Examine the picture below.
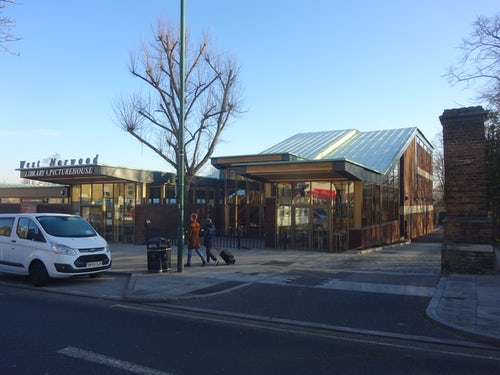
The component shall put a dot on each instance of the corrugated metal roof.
(376, 150)
(310, 145)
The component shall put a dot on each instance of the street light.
(180, 151)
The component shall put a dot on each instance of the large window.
(322, 193)
(242, 204)
(381, 202)
(27, 229)
(200, 196)
(97, 194)
(109, 208)
(86, 194)
(284, 192)
(154, 195)
(6, 225)
(170, 197)
(343, 203)
(254, 193)
(302, 192)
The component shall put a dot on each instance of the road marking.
(86, 355)
(405, 290)
(309, 328)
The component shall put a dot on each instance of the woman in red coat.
(193, 240)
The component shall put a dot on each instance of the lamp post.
(180, 152)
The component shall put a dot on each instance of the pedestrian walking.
(208, 233)
(239, 234)
(193, 240)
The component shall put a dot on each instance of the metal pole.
(180, 161)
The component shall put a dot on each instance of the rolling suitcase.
(226, 255)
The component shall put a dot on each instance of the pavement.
(467, 303)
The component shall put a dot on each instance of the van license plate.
(94, 264)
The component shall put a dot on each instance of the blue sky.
(305, 66)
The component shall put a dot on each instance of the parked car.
(47, 245)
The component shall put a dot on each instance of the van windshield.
(66, 226)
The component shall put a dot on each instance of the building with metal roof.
(336, 190)
(328, 191)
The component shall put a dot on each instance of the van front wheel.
(38, 273)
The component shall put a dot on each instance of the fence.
(232, 242)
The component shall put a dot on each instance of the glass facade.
(109, 208)
(315, 215)
(242, 205)
(381, 202)
(326, 203)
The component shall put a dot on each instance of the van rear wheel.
(38, 273)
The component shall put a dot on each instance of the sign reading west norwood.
(59, 167)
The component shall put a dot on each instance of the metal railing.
(233, 242)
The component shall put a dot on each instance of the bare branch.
(6, 25)
(480, 61)
(211, 99)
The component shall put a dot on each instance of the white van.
(46, 246)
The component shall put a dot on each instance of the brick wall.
(466, 197)
(464, 155)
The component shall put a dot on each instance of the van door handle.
(14, 241)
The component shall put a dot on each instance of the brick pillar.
(467, 246)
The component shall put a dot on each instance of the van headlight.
(63, 249)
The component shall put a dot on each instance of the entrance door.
(302, 225)
(95, 218)
(284, 221)
(320, 228)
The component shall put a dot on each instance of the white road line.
(86, 355)
(304, 327)
(405, 290)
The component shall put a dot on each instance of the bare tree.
(6, 25)
(480, 61)
(212, 98)
(492, 164)
(480, 64)
(438, 171)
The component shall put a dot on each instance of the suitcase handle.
(219, 250)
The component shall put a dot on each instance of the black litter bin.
(159, 255)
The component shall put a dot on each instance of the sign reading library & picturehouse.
(59, 168)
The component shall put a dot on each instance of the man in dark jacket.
(208, 233)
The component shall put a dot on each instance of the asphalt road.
(302, 301)
(47, 333)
